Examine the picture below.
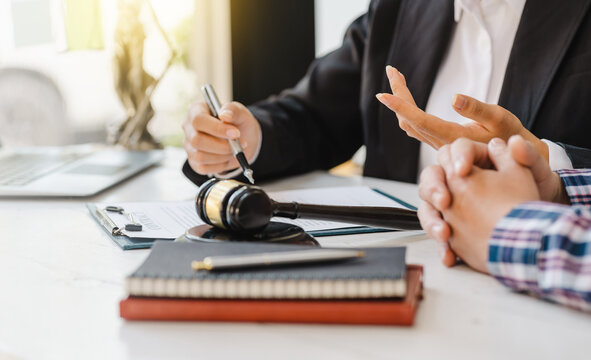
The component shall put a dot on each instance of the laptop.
(74, 171)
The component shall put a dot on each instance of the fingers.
(212, 126)
(234, 113)
(398, 84)
(203, 158)
(420, 125)
(397, 104)
(478, 111)
(500, 155)
(415, 122)
(465, 153)
(208, 154)
(409, 111)
(432, 222)
(438, 230)
(448, 256)
(196, 109)
(549, 184)
(454, 182)
(206, 141)
(433, 190)
(433, 187)
(201, 120)
(208, 169)
(526, 154)
(401, 106)
(444, 159)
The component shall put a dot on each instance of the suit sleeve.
(579, 157)
(317, 124)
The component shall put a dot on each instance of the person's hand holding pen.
(206, 138)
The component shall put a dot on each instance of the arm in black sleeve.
(579, 157)
(317, 124)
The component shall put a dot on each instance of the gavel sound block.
(239, 207)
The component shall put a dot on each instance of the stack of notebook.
(376, 289)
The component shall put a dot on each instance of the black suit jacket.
(332, 111)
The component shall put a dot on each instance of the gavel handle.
(381, 217)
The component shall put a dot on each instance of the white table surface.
(61, 280)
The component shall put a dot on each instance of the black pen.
(215, 107)
(275, 259)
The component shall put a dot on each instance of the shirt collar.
(516, 5)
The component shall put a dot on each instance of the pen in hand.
(215, 109)
(275, 259)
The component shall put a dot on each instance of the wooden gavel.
(239, 207)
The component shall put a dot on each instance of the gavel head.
(232, 205)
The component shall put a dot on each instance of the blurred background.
(62, 61)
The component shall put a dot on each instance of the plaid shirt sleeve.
(578, 185)
(545, 249)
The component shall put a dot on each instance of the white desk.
(61, 279)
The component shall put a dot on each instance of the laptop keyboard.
(21, 169)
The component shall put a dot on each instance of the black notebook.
(167, 272)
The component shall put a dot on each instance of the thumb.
(477, 110)
(526, 154)
(500, 155)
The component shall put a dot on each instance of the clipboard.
(128, 243)
(116, 234)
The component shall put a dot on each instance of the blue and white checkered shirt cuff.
(544, 249)
(578, 185)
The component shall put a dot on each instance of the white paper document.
(169, 220)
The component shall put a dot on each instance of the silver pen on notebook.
(215, 108)
(274, 258)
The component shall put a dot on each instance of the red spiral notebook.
(362, 312)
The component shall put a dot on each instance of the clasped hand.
(474, 186)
